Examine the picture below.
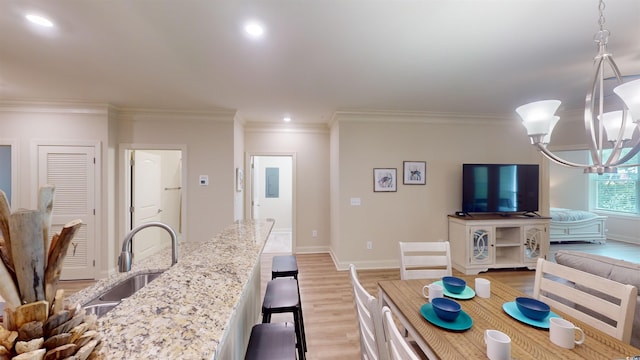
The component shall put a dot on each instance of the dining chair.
(605, 304)
(425, 260)
(399, 349)
(372, 342)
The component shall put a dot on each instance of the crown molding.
(218, 115)
(418, 117)
(264, 127)
(57, 107)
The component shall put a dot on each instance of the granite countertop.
(184, 313)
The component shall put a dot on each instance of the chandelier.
(617, 127)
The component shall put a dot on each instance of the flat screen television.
(500, 188)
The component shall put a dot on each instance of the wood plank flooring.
(328, 307)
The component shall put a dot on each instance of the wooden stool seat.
(284, 266)
(275, 341)
(282, 296)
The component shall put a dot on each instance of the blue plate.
(466, 294)
(462, 322)
(512, 309)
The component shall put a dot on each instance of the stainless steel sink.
(109, 299)
(100, 308)
(128, 287)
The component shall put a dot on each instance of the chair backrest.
(425, 260)
(372, 343)
(604, 304)
(399, 349)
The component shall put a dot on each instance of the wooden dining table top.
(527, 342)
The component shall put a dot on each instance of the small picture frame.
(239, 180)
(385, 180)
(415, 173)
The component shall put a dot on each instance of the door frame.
(248, 195)
(125, 186)
(15, 168)
(98, 231)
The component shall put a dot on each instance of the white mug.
(433, 291)
(483, 288)
(498, 345)
(563, 333)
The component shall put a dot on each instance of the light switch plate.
(204, 180)
(355, 201)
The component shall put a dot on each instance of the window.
(618, 192)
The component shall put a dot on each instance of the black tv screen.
(499, 188)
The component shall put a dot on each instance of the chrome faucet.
(124, 260)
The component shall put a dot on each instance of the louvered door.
(71, 170)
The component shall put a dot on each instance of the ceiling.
(316, 56)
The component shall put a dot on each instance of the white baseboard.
(622, 238)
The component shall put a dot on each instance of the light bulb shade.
(547, 138)
(537, 117)
(612, 121)
(629, 92)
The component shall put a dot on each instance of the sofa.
(617, 270)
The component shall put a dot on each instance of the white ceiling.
(317, 56)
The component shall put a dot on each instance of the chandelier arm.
(589, 109)
(557, 159)
(619, 142)
(634, 150)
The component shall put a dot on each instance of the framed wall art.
(415, 173)
(385, 180)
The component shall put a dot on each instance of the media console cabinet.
(487, 241)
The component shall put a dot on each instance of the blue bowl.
(446, 309)
(532, 308)
(453, 284)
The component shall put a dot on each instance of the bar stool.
(282, 296)
(275, 341)
(284, 266)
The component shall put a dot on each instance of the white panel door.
(71, 169)
(147, 200)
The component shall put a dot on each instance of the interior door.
(71, 169)
(147, 201)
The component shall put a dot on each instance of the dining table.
(465, 338)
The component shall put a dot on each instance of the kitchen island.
(201, 308)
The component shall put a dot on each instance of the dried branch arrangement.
(36, 324)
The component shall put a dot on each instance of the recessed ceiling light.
(254, 29)
(39, 20)
(286, 119)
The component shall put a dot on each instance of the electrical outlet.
(314, 233)
(369, 245)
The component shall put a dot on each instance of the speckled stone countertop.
(184, 313)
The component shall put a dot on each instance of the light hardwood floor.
(327, 300)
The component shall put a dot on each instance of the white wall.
(414, 212)
(29, 123)
(210, 151)
(311, 179)
(569, 187)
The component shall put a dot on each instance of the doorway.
(272, 191)
(153, 191)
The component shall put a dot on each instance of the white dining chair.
(605, 304)
(425, 260)
(399, 349)
(372, 341)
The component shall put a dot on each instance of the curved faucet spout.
(124, 261)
